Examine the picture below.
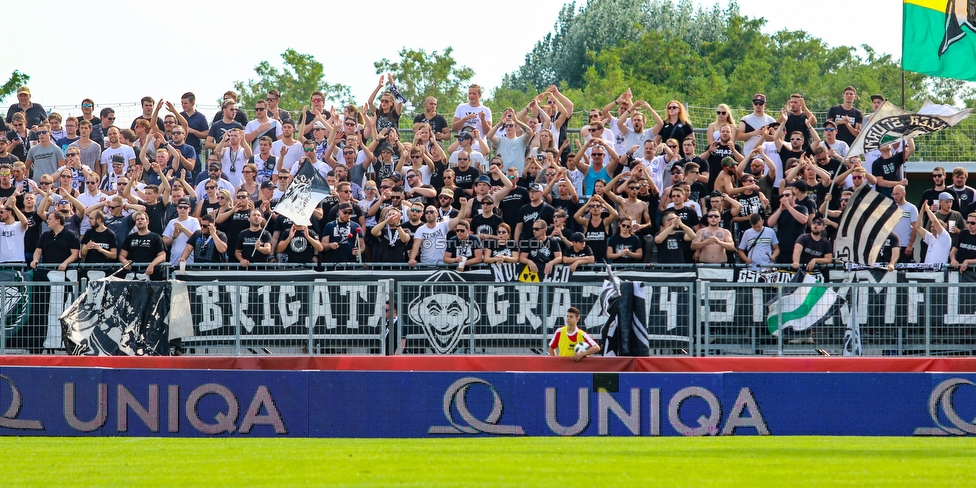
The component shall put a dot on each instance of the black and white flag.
(625, 333)
(866, 222)
(116, 317)
(306, 190)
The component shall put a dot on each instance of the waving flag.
(625, 333)
(939, 38)
(891, 124)
(866, 222)
(806, 307)
(306, 190)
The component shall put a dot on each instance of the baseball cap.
(728, 161)
(759, 97)
(817, 219)
(577, 237)
(318, 125)
(800, 185)
(536, 187)
(23, 89)
(716, 194)
(773, 124)
(63, 202)
(183, 201)
(830, 123)
(385, 147)
(118, 158)
(877, 96)
(345, 206)
(465, 135)
(483, 179)
(946, 196)
(267, 184)
(214, 166)
(447, 192)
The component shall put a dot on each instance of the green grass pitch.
(699, 462)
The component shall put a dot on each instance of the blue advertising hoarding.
(195, 403)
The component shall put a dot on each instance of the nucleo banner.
(197, 403)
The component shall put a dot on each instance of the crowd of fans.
(504, 187)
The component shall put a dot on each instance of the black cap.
(267, 184)
(118, 158)
(800, 185)
(183, 201)
(577, 237)
(716, 193)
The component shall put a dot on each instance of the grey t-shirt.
(761, 252)
(46, 160)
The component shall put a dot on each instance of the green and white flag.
(806, 307)
(891, 124)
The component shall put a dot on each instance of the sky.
(130, 49)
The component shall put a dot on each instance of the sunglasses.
(938, 176)
(758, 102)
(463, 159)
(261, 109)
(672, 108)
(269, 99)
(210, 187)
(829, 129)
(241, 197)
(430, 212)
(714, 216)
(86, 105)
(415, 210)
(720, 112)
(857, 177)
(183, 207)
(42, 132)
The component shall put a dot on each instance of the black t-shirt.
(456, 247)
(715, 162)
(529, 214)
(105, 239)
(511, 204)
(888, 169)
(966, 246)
(789, 230)
(437, 122)
(884, 256)
(121, 226)
(218, 128)
(234, 225)
(144, 249)
(673, 249)
(33, 231)
(485, 225)
(298, 250)
(569, 252)
(687, 215)
(838, 113)
(388, 247)
(541, 252)
(246, 242)
(346, 234)
(675, 131)
(465, 179)
(619, 243)
(596, 237)
(797, 123)
(812, 249)
(157, 216)
(204, 250)
(56, 248)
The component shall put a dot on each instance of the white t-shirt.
(755, 122)
(127, 152)
(12, 242)
(475, 123)
(232, 164)
(477, 160)
(433, 242)
(939, 247)
(179, 243)
(294, 154)
(252, 127)
(512, 152)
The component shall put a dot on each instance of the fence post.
(779, 320)
(471, 319)
(928, 321)
(237, 318)
(3, 320)
(309, 348)
(544, 289)
(703, 334)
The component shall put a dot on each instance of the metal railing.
(689, 311)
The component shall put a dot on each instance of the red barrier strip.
(510, 363)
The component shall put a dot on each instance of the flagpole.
(263, 229)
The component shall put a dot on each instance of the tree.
(419, 75)
(301, 76)
(17, 79)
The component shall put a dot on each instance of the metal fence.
(925, 314)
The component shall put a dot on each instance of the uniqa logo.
(9, 419)
(456, 396)
(941, 398)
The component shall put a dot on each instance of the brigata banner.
(447, 312)
(203, 403)
(441, 311)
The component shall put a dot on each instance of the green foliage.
(300, 76)
(563, 56)
(420, 74)
(17, 79)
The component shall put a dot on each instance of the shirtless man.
(712, 243)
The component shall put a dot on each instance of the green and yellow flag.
(939, 38)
